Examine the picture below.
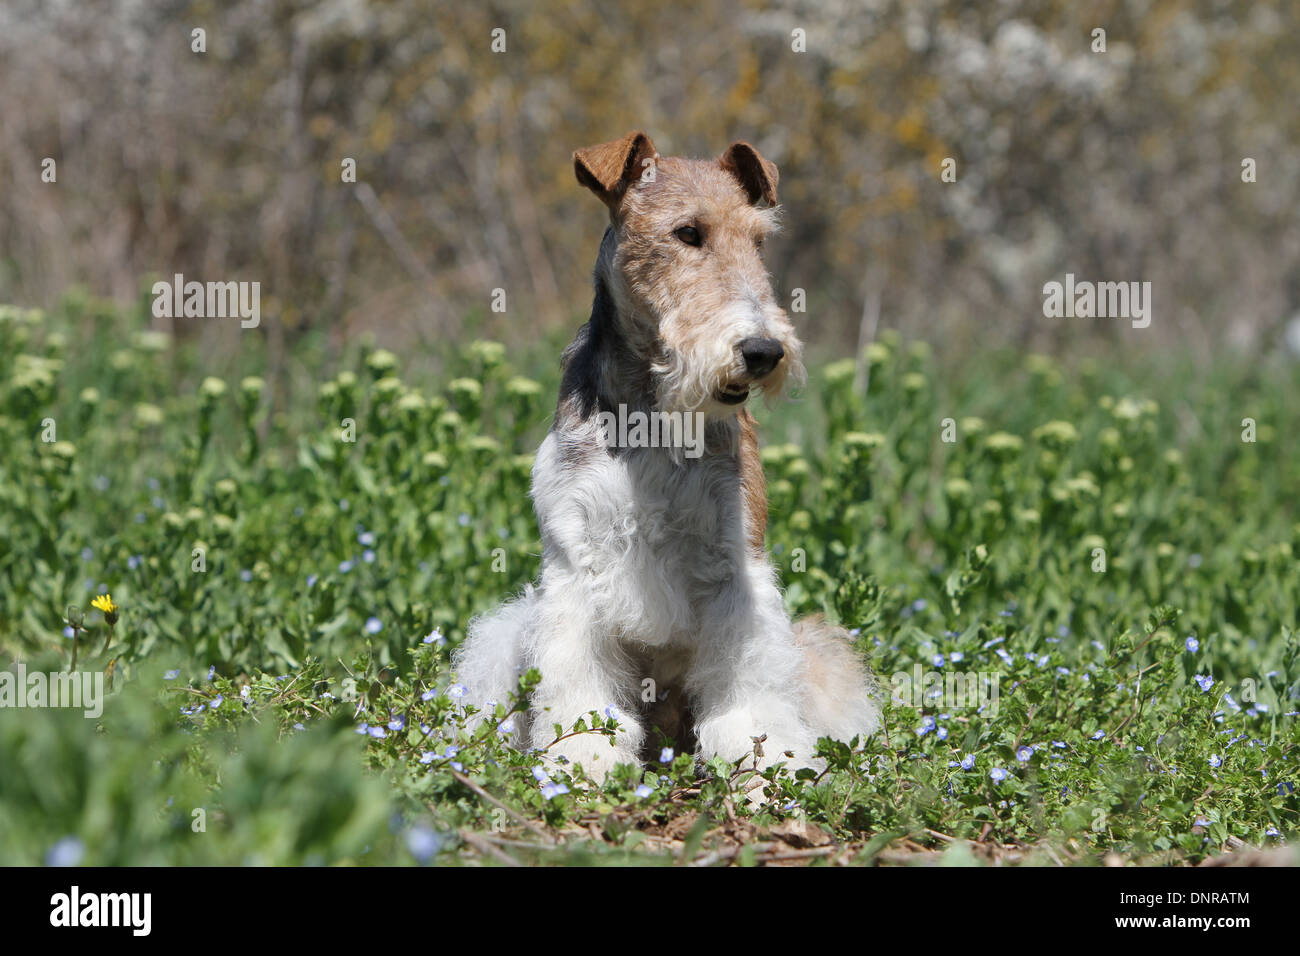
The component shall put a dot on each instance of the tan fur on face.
(695, 304)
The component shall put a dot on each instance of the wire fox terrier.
(656, 596)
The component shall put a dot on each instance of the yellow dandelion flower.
(105, 603)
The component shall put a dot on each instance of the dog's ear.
(756, 174)
(607, 169)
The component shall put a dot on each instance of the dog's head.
(686, 273)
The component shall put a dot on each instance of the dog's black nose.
(760, 355)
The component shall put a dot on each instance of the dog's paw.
(593, 753)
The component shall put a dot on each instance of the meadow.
(1104, 549)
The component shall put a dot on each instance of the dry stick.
(765, 852)
(513, 814)
(483, 846)
(717, 856)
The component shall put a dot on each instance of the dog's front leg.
(746, 679)
(582, 671)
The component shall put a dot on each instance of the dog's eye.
(758, 241)
(689, 235)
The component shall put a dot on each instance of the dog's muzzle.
(761, 356)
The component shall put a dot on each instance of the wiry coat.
(656, 596)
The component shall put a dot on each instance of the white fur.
(645, 560)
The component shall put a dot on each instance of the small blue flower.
(1204, 681)
(1216, 761)
(429, 695)
(423, 843)
(134, 561)
(920, 604)
(435, 637)
(366, 539)
(1193, 644)
(1023, 754)
(666, 755)
(462, 519)
(346, 566)
(938, 660)
(1098, 735)
(378, 733)
(374, 625)
(245, 575)
(552, 790)
(428, 757)
(968, 762)
(299, 726)
(66, 852)
(212, 671)
(1201, 822)
(997, 774)
(311, 580)
(217, 702)
(942, 733)
(458, 690)
(69, 632)
(368, 556)
(506, 726)
(540, 774)
(644, 791)
(171, 675)
(397, 723)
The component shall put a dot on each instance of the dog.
(657, 602)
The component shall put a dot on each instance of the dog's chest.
(685, 514)
(640, 519)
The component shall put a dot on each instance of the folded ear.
(756, 174)
(607, 169)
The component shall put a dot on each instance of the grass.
(1096, 542)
